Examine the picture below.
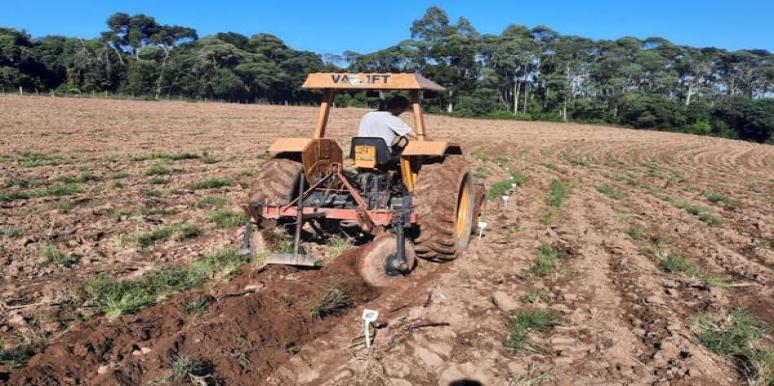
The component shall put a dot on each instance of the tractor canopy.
(370, 81)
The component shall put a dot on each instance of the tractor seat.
(373, 152)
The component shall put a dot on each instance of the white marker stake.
(481, 226)
(369, 316)
(505, 200)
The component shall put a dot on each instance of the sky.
(365, 26)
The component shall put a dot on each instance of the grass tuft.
(181, 231)
(702, 214)
(533, 295)
(545, 261)
(32, 159)
(338, 245)
(212, 202)
(191, 371)
(518, 178)
(15, 357)
(727, 201)
(332, 303)
(635, 232)
(498, 189)
(199, 305)
(610, 191)
(225, 218)
(211, 183)
(64, 206)
(679, 264)
(158, 169)
(55, 256)
(118, 297)
(557, 192)
(481, 172)
(739, 337)
(525, 322)
(12, 231)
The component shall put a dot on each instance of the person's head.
(397, 105)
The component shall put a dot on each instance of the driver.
(386, 124)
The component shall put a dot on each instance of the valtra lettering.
(354, 79)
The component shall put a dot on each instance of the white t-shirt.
(384, 125)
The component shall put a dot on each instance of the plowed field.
(620, 257)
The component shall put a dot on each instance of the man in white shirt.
(386, 124)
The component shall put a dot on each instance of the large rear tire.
(445, 201)
(275, 183)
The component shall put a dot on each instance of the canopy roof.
(370, 81)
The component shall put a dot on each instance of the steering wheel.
(400, 142)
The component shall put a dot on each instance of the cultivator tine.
(295, 258)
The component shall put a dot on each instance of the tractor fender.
(431, 148)
(316, 154)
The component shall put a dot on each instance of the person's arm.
(402, 128)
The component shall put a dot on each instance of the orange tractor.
(408, 199)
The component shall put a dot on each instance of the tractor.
(409, 199)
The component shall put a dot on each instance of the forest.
(526, 73)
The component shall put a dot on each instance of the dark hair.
(397, 102)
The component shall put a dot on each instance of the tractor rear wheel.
(275, 183)
(445, 200)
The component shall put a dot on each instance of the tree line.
(522, 73)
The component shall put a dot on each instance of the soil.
(623, 320)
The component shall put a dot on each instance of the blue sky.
(364, 26)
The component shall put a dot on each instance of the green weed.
(14, 358)
(525, 322)
(211, 183)
(157, 181)
(498, 189)
(59, 190)
(727, 201)
(181, 231)
(739, 337)
(481, 172)
(199, 305)
(518, 178)
(557, 192)
(533, 295)
(547, 257)
(702, 214)
(332, 303)
(14, 196)
(32, 159)
(610, 191)
(678, 264)
(55, 256)
(338, 245)
(12, 231)
(158, 169)
(212, 202)
(187, 370)
(118, 297)
(636, 233)
(64, 206)
(22, 183)
(224, 218)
